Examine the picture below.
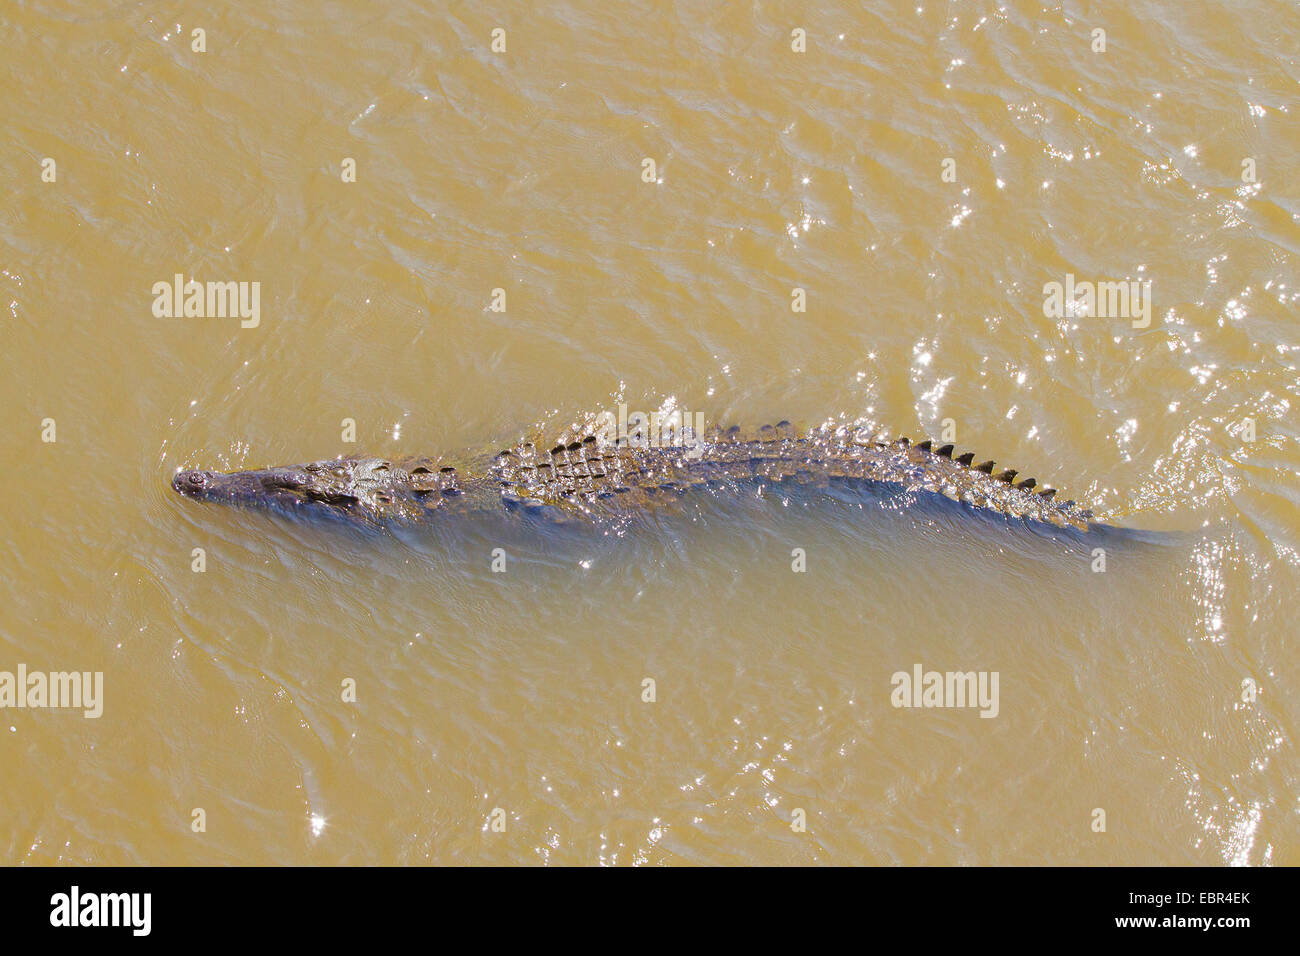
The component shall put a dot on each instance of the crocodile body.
(593, 478)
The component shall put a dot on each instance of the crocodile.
(590, 476)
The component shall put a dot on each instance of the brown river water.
(457, 237)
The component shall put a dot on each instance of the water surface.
(774, 171)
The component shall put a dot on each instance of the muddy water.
(922, 172)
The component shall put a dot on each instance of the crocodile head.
(351, 489)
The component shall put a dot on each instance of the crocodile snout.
(290, 479)
(191, 482)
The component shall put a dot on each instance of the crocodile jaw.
(276, 489)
